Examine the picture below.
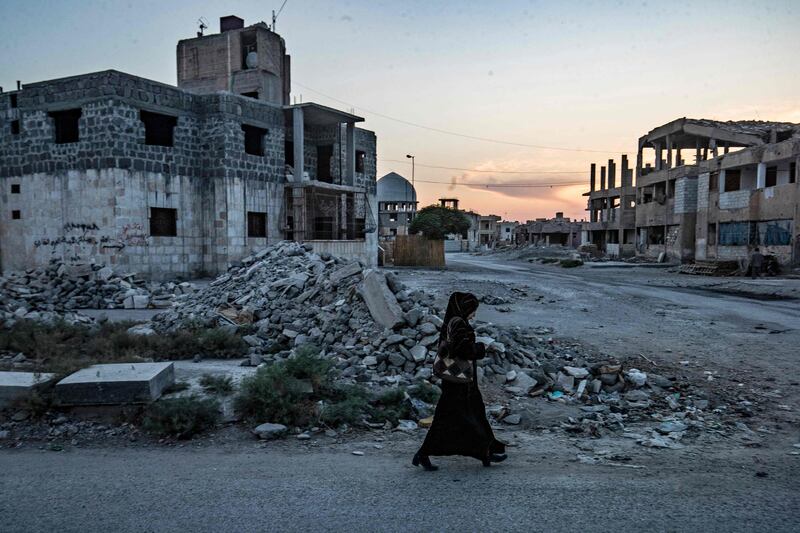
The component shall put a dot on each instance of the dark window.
(253, 139)
(712, 235)
(792, 172)
(15, 127)
(15, 188)
(253, 94)
(324, 156)
(256, 224)
(249, 46)
(733, 179)
(158, 129)
(323, 228)
(66, 125)
(16, 215)
(713, 181)
(671, 189)
(772, 177)
(288, 153)
(361, 228)
(163, 222)
(360, 158)
(13, 101)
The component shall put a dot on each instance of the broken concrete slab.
(114, 384)
(380, 300)
(15, 385)
(345, 272)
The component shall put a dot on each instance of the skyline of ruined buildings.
(182, 181)
(737, 189)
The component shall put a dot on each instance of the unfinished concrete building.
(669, 162)
(612, 210)
(751, 198)
(182, 181)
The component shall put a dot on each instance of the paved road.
(279, 490)
(633, 310)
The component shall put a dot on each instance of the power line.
(490, 171)
(453, 133)
(504, 185)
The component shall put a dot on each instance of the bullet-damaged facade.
(181, 181)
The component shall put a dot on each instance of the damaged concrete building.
(612, 210)
(559, 230)
(182, 181)
(397, 205)
(706, 190)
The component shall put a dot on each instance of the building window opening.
(15, 127)
(361, 156)
(671, 189)
(711, 239)
(16, 215)
(256, 224)
(660, 192)
(655, 235)
(15, 188)
(792, 172)
(249, 50)
(252, 94)
(158, 129)
(771, 177)
(324, 156)
(253, 140)
(771, 233)
(14, 101)
(288, 153)
(733, 181)
(66, 125)
(713, 181)
(163, 222)
(323, 228)
(392, 217)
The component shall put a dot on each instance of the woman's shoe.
(498, 457)
(425, 461)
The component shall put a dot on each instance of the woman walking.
(459, 425)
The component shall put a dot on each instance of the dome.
(395, 188)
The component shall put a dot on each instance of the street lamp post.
(413, 187)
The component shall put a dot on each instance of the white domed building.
(397, 205)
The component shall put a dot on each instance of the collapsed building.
(168, 181)
(705, 190)
(559, 230)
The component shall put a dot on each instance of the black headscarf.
(461, 304)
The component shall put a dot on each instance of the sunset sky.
(586, 77)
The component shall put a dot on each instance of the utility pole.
(412, 171)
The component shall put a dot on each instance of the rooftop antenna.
(275, 15)
(203, 23)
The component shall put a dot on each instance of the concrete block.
(14, 385)
(380, 300)
(115, 384)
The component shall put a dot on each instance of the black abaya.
(459, 425)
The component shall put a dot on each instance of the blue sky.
(590, 75)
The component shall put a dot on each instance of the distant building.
(487, 230)
(559, 230)
(505, 231)
(397, 205)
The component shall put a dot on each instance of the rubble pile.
(56, 290)
(287, 295)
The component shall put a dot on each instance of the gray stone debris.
(58, 290)
(270, 431)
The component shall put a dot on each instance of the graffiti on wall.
(79, 240)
